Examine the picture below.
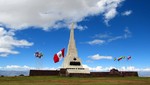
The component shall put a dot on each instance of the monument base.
(72, 71)
(78, 70)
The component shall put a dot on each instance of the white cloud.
(8, 42)
(126, 35)
(89, 61)
(109, 15)
(48, 14)
(132, 68)
(98, 57)
(81, 28)
(107, 37)
(98, 68)
(123, 68)
(102, 36)
(127, 13)
(25, 67)
(96, 41)
(111, 11)
(115, 38)
(16, 67)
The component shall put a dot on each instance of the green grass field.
(57, 80)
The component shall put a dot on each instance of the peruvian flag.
(59, 55)
(119, 58)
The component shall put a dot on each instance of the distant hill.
(144, 74)
(13, 73)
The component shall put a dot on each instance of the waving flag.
(123, 57)
(129, 58)
(115, 59)
(59, 55)
(38, 54)
(119, 58)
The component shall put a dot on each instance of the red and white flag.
(59, 55)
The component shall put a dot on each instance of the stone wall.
(129, 73)
(44, 73)
(63, 72)
(99, 74)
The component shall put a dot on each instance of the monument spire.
(72, 62)
(72, 46)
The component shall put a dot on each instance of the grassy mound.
(57, 80)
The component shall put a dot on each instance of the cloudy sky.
(104, 29)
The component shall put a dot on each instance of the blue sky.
(108, 29)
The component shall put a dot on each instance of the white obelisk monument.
(72, 62)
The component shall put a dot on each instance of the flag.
(123, 57)
(38, 54)
(119, 58)
(115, 59)
(129, 58)
(59, 55)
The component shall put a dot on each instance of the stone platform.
(63, 72)
(44, 73)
